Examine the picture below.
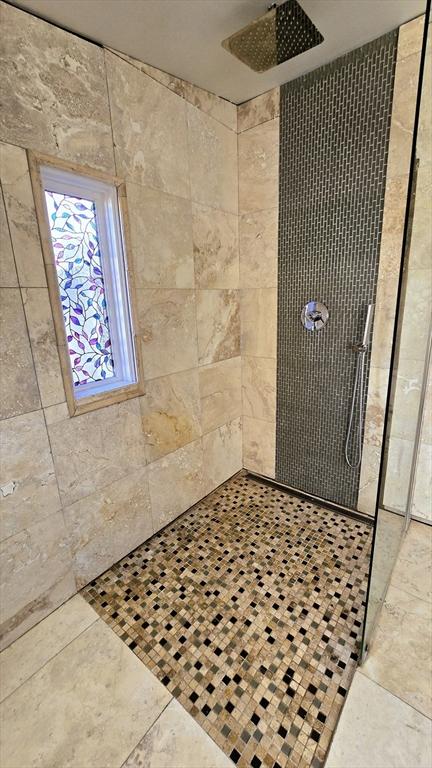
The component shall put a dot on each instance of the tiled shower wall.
(78, 494)
(259, 255)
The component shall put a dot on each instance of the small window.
(87, 251)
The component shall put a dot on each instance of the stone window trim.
(39, 162)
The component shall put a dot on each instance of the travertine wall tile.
(18, 387)
(258, 110)
(21, 215)
(36, 576)
(149, 128)
(218, 325)
(95, 449)
(161, 235)
(220, 391)
(422, 504)
(403, 113)
(216, 248)
(40, 326)
(258, 322)
(222, 453)
(8, 275)
(258, 240)
(421, 235)
(108, 524)
(176, 483)
(410, 37)
(171, 413)
(259, 387)
(259, 167)
(54, 91)
(418, 300)
(212, 162)
(28, 486)
(167, 328)
(259, 446)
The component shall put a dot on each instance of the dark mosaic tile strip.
(249, 609)
(334, 132)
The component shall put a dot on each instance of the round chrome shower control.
(314, 315)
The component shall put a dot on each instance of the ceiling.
(183, 37)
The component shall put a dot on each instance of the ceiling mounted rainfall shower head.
(282, 33)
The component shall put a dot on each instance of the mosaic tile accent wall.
(334, 135)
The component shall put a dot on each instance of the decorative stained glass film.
(78, 262)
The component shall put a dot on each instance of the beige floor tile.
(176, 740)
(413, 569)
(399, 658)
(87, 707)
(44, 641)
(377, 730)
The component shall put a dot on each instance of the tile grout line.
(391, 693)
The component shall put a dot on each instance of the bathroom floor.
(248, 608)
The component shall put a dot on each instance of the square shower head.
(282, 33)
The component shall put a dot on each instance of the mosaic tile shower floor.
(248, 608)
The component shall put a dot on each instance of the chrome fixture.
(314, 315)
(358, 390)
(280, 34)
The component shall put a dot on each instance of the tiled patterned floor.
(248, 608)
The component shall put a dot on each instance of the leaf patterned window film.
(84, 236)
(77, 254)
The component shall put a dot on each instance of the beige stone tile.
(95, 700)
(258, 110)
(107, 525)
(56, 413)
(161, 234)
(395, 202)
(28, 487)
(382, 337)
(424, 136)
(222, 452)
(8, 275)
(176, 483)
(403, 112)
(18, 386)
(259, 446)
(216, 249)
(220, 109)
(406, 405)
(258, 233)
(259, 167)
(220, 391)
(171, 413)
(378, 730)
(410, 37)
(44, 641)
(40, 325)
(420, 254)
(54, 91)
(149, 127)
(212, 161)
(422, 501)
(399, 658)
(167, 326)
(36, 576)
(259, 388)
(259, 322)
(372, 442)
(413, 569)
(21, 215)
(218, 325)
(177, 740)
(97, 448)
(399, 460)
(418, 299)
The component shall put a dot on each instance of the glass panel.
(78, 263)
(404, 438)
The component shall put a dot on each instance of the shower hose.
(358, 395)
